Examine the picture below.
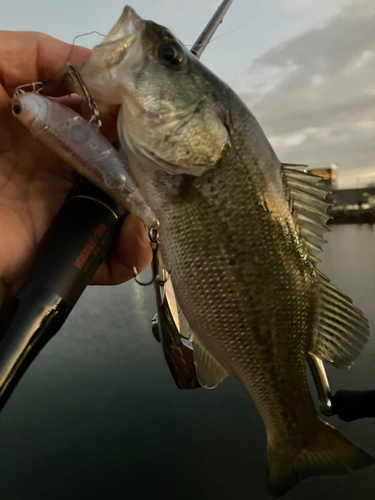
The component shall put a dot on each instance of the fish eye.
(171, 52)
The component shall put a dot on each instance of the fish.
(241, 232)
(80, 144)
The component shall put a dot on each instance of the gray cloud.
(314, 94)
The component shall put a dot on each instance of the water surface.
(97, 415)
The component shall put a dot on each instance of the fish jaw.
(104, 73)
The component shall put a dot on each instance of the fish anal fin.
(326, 453)
(341, 330)
(209, 371)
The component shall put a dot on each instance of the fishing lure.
(79, 143)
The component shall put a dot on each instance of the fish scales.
(253, 314)
(239, 231)
(254, 309)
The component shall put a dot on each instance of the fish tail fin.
(326, 453)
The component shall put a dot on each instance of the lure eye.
(171, 52)
(17, 109)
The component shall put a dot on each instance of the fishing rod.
(78, 240)
(205, 37)
(67, 257)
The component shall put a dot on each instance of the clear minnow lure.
(80, 144)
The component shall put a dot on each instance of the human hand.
(33, 181)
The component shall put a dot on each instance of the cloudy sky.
(306, 68)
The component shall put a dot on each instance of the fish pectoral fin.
(209, 371)
(308, 206)
(341, 331)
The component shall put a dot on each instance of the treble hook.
(33, 87)
(90, 101)
(153, 235)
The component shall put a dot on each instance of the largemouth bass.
(241, 232)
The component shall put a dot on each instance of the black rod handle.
(352, 405)
(67, 257)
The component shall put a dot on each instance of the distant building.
(344, 197)
(347, 205)
(327, 172)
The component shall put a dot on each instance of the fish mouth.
(128, 23)
(115, 47)
(121, 37)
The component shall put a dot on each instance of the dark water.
(98, 416)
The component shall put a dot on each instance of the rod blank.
(208, 32)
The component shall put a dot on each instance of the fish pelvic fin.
(326, 453)
(209, 371)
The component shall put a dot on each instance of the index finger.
(27, 57)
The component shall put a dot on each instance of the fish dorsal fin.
(308, 206)
(341, 330)
(209, 372)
